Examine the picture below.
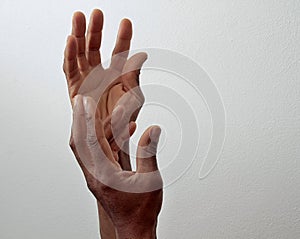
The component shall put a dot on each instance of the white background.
(250, 49)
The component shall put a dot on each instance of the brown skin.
(134, 215)
(82, 55)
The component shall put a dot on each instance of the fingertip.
(78, 14)
(139, 59)
(146, 151)
(68, 38)
(135, 62)
(125, 30)
(132, 128)
(150, 136)
(145, 138)
(143, 55)
(71, 38)
(127, 22)
(68, 47)
(97, 19)
(154, 133)
(71, 43)
(97, 12)
(78, 17)
(79, 24)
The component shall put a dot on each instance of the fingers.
(70, 66)
(146, 152)
(132, 128)
(120, 52)
(88, 53)
(94, 36)
(91, 138)
(78, 31)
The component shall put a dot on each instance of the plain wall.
(251, 51)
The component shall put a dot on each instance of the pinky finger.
(70, 65)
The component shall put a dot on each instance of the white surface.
(250, 49)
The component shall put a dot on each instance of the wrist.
(107, 229)
(136, 231)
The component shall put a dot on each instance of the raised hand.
(132, 200)
(85, 75)
(82, 55)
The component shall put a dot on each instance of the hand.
(82, 57)
(131, 199)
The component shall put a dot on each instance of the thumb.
(146, 151)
